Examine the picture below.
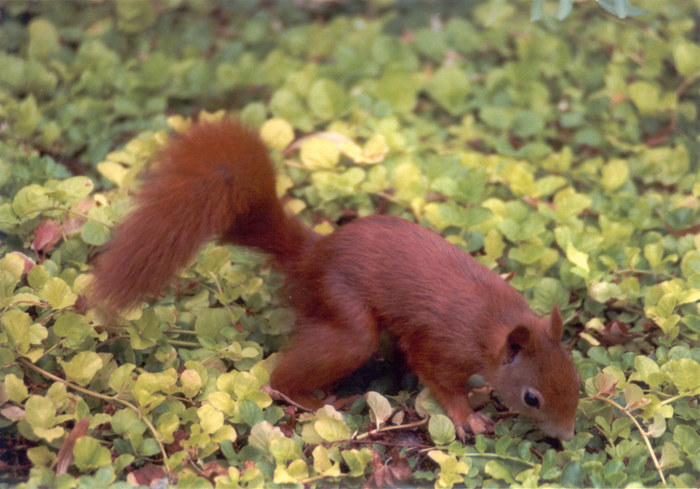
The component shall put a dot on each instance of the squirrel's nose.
(564, 433)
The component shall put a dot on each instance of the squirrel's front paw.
(480, 423)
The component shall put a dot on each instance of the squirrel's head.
(536, 376)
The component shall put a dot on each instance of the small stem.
(390, 198)
(390, 428)
(641, 432)
(635, 271)
(674, 398)
(69, 211)
(182, 331)
(687, 83)
(319, 477)
(490, 455)
(103, 397)
(500, 457)
(192, 344)
(220, 289)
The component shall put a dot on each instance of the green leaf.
(327, 99)
(527, 124)
(498, 470)
(399, 89)
(121, 379)
(548, 185)
(43, 39)
(549, 292)
(13, 264)
(441, 429)
(27, 117)
(686, 56)
(570, 203)
(250, 412)
(16, 324)
(357, 460)
(519, 178)
(296, 471)
(74, 327)
(331, 429)
(646, 96)
(148, 385)
(210, 419)
(82, 367)
(284, 449)
(95, 233)
(685, 373)
(286, 104)
(8, 219)
(670, 457)
(73, 189)
(126, 422)
(527, 253)
(210, 322)
(687, 439)
(604, 291)
(323, 463)
(58, 293)
(572, 475)
(648, 371)
(90, 454)
(191, 382)
(15, 388)
(262, 434)
(135, 15)
(30, 201)
(615, 174)
(41, 417)
(497, 117)
(449, 87)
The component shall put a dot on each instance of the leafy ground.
(562, 153)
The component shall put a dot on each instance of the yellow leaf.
(205, 116)
(319, 154)
(375, 149)
(578, 258)
(615, 174)
(277, 133)
(179, 123)
(114, 172)
(324, 228)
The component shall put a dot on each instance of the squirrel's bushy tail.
(214, 180)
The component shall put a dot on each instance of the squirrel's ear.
(556, 327)
(518, 339)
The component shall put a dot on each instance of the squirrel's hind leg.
(321, 353)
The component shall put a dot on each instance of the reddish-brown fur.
(451, 316)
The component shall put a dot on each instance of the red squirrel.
(450, 316)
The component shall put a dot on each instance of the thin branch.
(641, 432)
(97, 395)
(390, 428)
(69, 211)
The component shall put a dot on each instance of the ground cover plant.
(562, 152)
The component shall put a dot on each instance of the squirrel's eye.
(531, 399)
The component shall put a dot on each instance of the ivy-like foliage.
(563, 154)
